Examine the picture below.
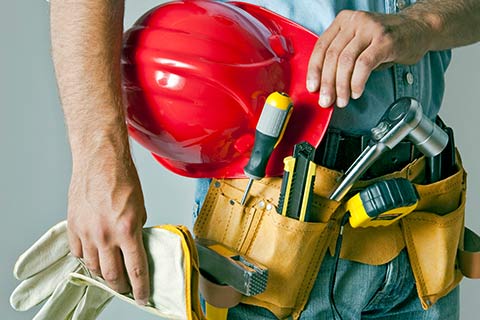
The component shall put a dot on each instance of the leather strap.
(469, 257)
(220, 296)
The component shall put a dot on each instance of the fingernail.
(356, 95)
(325, 100)
(341, 103)
(311, 85)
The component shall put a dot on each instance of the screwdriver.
(268, 133)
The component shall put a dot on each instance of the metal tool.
(382, 203)
(269, 131)
(298, 182)
(224, 265)
(403, 119)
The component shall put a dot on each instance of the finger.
(137, 268)
(40, 286)
(62, 302)
(90, 258)
(112, 270)
(48, 249)
(368, 60)
(75, 244)
(315, 63)
(329, 70)
(346, 64)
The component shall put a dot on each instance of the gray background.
(35, 158)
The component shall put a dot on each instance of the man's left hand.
(354, 45)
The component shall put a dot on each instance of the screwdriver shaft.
(247, 190)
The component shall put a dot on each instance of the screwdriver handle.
(269, 131)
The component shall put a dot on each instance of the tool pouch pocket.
(292, 250)
(433, 234)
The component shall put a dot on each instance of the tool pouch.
(433, 235)
(291, 250)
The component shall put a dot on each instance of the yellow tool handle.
(214, 313)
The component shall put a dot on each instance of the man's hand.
(105, 218)
(354, 45)
(106, 210)
(358, 42)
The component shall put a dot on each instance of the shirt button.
(401, 4)
(409, 78)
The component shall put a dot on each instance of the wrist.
(428, 25)
(101, 146)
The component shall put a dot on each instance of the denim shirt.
(423, 81)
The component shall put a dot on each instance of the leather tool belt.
(292, 250)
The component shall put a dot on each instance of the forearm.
(86, 47)
(451, 23)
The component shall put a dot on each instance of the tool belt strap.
(469, 255)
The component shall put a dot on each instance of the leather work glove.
(50, 273)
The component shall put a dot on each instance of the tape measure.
(382, 203)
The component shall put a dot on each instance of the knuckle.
(138, 272)
(111, 276)
(359, 15)
(332, 53)
(347, 58)
(320, 46)
(92, 266)
(128, 227)
(345, 14)
(366, 60)
(342, 88)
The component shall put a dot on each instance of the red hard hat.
(196, 76)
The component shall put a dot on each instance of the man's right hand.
(106, 210)
(105, 217)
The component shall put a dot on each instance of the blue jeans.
(360, 291)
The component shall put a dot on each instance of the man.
(106, 211)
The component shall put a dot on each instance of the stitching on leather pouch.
(446, 223)
(287, 227)
(443, 223)
(302, 294)
(254, 237)
(447, 187)
(246, 227)
(415, 265)
(230, 214)
(209, 202)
